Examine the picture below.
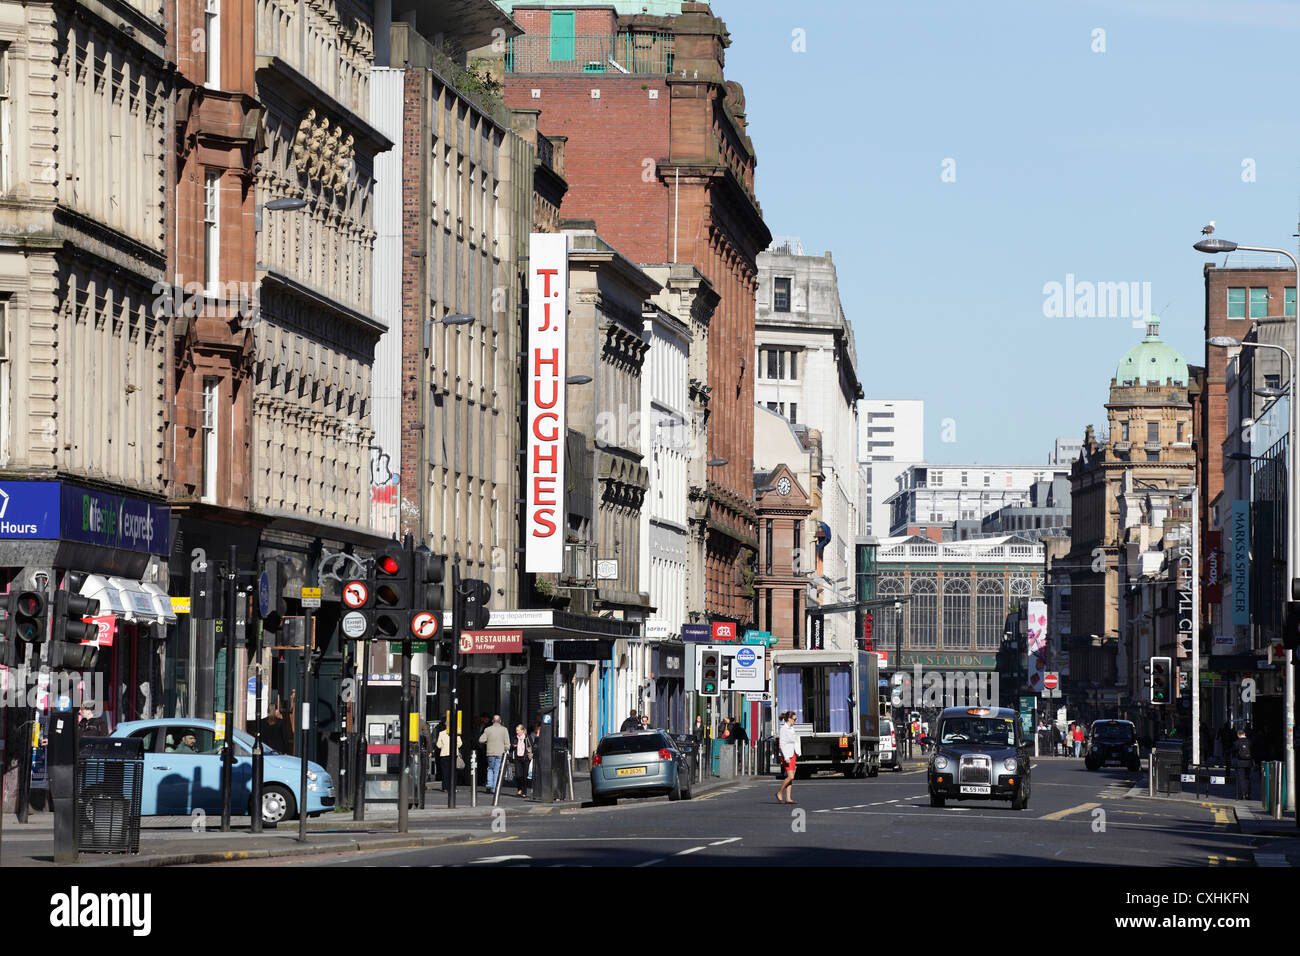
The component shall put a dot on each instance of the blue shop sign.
(112, 521)
(29, 509)
(699, 633)
(53, 510)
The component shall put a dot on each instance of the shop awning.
(131, 600)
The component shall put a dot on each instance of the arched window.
(956, 613)
(888, 621)
(990, 614)
(923, 632)
(1020, 592)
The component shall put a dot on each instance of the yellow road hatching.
(1061, 814)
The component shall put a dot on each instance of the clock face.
(783, 486)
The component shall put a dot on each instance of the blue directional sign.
(264, 593)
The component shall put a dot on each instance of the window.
(212, 231)
(936, 479)
(1180, 431)
(794, 365)
(925, 606)
(212, 23)
(769, 547)
(956, 613)
(964, 480)
(1236, 303)
(987, 480)
(767, 602)
(563, 40)
(989, 614)
(775, 363)
(1290, 301)
(4, 379)
(1258, 303)
(1270, 381)
(1153, 431)
(798, 547)
(211, 387)
(1123, 431)
(794, 413)
(781, 295)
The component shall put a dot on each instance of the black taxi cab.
(979, 753)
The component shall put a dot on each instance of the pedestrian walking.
(700, 730)
(446, 756)
(789, 756)
(738, 734)
(645, 721)
(1078, 740)
(633, 723)
(1243, 763)
(496, 741)
(523, 756)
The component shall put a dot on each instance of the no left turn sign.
(355, 594)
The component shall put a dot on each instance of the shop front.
(59, 535)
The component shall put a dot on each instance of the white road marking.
(649, 862)
(694, 849)
(726, 841)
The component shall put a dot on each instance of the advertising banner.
(491, 642)
(1240, 532)
(548, 297)
(1036, 628)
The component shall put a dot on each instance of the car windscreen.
(632, 744)
(1113, 733)
(998, 731)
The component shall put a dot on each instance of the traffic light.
(208, 593)
(67, 649)
(1161, 688)
(707, 678)
(27, 615)
(427, 570)
(478, 594)
(726, 670)
(392, 591)
(1291, 625)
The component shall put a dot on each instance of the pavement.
(179, 841)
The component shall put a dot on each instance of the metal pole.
(304, 712)
(453, 729)
(228, 745)
(404, 746)
(257, 741)
(362, 738)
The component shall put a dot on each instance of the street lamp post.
(1293, 504)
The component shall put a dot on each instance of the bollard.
(473, 779)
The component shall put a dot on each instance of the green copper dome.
(1151, 361)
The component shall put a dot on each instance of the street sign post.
(311, 597)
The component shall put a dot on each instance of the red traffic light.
(388, 564)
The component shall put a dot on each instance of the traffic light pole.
(404, 748)
(361, 736)
(304, 711)
(228, 748)
(457, 609)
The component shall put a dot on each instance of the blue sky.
(1103, 165)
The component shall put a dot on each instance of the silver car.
(642, 763)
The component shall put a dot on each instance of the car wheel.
(603, 801)
(1135, 766)
(1020, 800)
(676, 792)
(277, 804)
(1090, 763)
(936, 799)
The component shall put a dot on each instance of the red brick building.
(658, 156)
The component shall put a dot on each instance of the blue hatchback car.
(182, 772)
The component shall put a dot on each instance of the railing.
(624, 53)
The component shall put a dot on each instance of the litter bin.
(562, 781)
(1167, 766)
(109, 782)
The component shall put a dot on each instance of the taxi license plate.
(968, 788)
(631, 772)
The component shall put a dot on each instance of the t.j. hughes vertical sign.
(548, 297)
